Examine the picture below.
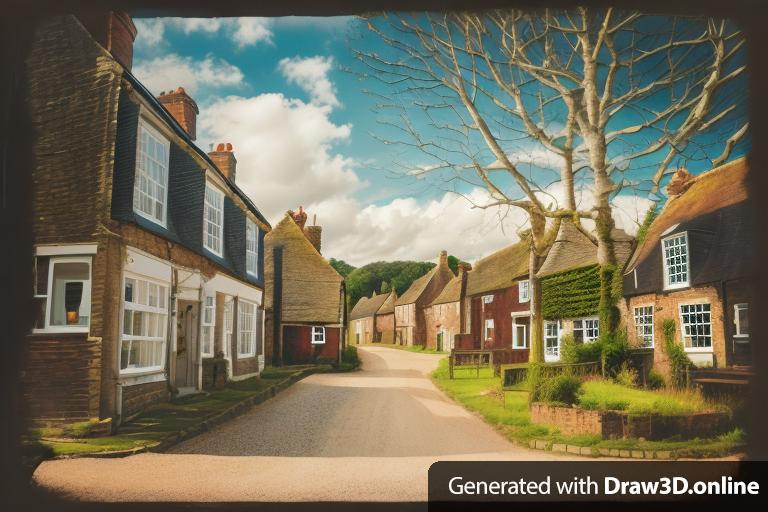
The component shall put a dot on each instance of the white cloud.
(311, 74)
(171, 71)
(242, 31)
(284, 149)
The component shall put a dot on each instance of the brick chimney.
(680, 182)
(225, 160)
(314, 234)
(443, 257)
(300, 217)
(183, 108)
(115, 31)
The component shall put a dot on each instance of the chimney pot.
(443, 257)
(680, 182)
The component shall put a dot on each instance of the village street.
(363, 436)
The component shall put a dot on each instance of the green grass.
(163, 420)
(508, 412)
(604, 394)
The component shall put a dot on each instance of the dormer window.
(251, 247)
(676, 261)
(150, 187)
(213, 219)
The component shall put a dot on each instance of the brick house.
(385, 319)
(694, 267)
(444, 316)
(410, 325)
(498, 312)
(364, 324)
(305, 296)
(148, 257)
(570, 286)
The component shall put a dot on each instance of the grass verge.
(508, 413)
(166, 422)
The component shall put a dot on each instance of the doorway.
(187, 324)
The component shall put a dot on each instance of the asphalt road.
(369, 435)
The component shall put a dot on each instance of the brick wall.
(442, 318)
(666, 306)
(138, 397)
(61, 377)
(385, 328)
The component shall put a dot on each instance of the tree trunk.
(606, 255)
(536, 349)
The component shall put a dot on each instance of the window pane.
(151, 174)
(70, 294)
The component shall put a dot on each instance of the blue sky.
(301, 128)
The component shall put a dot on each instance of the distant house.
(444, 316)
(148, 256)
(570, 286)
(410, 325)
(498, 300)
(305, 296)
(363, 319)
(385, 319)
(695, 267)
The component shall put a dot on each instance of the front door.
(440, 341)
(187, 324)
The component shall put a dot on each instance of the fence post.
(450, 366)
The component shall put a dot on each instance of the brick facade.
(442, 319)
(385, 327)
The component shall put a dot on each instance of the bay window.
(144, 324)
(213, 219)
(150, 186)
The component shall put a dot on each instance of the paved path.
(363, 436)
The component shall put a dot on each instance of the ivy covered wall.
(571, 294)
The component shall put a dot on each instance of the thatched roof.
(413, 293)
(366, 306)
(706, 193)
(499, 270)
(451, 292)
(312, 289)
(573, 249)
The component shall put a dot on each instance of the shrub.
(568, 349)
(533, 382)
(627, 376)
(614, 351)
(561, 389)
(349, 356)
(679, 364)
(655, 380)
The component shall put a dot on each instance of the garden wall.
(619, 424)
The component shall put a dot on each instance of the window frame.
(144, 123)
(252, 253)
(228, 329)
(522, 298)
(220, 193)
(47, 327)
(652, 315)
(492, 328)
(515, 340)
(737, 324)
(240, 331)
(584, 328)
(163, 340)
(210, 325)
(687, 282)
(312, 335)
(708, 349)
(488, 299)
(558, 336)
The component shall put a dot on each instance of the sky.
(304, 132)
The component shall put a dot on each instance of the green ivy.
(679, 363)
(571, 294)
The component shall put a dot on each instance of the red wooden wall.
(298, 347)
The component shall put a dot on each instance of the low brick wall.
(619, 424)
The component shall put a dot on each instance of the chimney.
(300, 217)
(183, 108)
(225, 160)
(443, 257)
(314, 234)
(464, 267)
(680, 182)
(115, 31)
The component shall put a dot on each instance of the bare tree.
(606, 94)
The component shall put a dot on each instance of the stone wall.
(619, 424)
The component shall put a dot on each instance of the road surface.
(369, 435)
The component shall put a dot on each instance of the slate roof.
(368, 306)
(499, 270)
(711, 191)
(572, 249)
(312, 289)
